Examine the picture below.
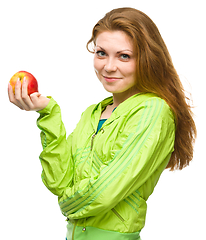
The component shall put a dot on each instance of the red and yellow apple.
(32, 82)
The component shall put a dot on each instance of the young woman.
(104, 172)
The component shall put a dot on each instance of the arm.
(56, 156)
(143, 152)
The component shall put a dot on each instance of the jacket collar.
(123, 108)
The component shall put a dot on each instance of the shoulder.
(162, 109)
(148, 102)
(158, 114)
(147, 109)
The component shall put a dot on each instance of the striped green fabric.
(102, 178)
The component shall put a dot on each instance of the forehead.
(114, 39)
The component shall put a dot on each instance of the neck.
(121, 97)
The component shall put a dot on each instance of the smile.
(111, 79)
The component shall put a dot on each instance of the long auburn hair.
(155, 74)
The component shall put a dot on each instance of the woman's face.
(115, 62)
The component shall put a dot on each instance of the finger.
(18, 89)
(25, 97)
(12, 98)
(11, 93)
(35, 96)
(24, 87)
(18, 96)
(35, 99)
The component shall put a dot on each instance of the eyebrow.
(118, 51)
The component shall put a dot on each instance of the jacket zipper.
(92, 142)
(118, 215)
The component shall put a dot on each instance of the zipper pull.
(84, 228)
(92, 142)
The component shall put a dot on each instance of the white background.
(48, 39)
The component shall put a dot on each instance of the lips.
(111, 79)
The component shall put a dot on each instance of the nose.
(110, 65)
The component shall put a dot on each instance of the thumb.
(35, 95)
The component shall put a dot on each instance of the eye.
(124, 56)
(100, 53)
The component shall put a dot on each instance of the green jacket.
(103, 180)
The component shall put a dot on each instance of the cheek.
(97, 65)
(130, 70)
(97, 68)
(127, 70)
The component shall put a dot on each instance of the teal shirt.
(101, 122)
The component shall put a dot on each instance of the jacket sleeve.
(56, 157)
(142, 153)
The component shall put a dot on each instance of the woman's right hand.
(34, 102)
